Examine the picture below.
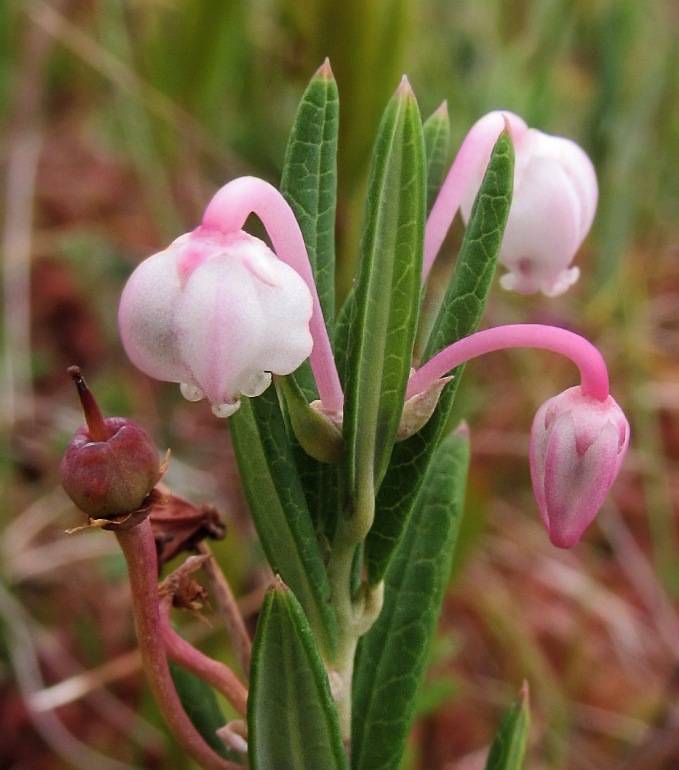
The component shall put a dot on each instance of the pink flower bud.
(577, 446)
(553, 205)
(217, 313)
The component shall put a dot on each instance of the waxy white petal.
(218, 313)
(554, 201)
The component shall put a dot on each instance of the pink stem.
(476, 147)
(139, 549)
(227, 212)
(593, 373)
(220, 676)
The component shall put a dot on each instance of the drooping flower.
(554, 201)
(577, 446)
(579, 438)
(217, 312)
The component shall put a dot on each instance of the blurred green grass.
(168, 99)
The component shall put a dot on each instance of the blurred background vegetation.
(119, 120)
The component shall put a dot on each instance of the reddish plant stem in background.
(228, 609)
(220, 676)
(139, 549)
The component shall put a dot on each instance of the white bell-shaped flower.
(554, 201)
(217, 313)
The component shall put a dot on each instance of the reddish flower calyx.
(110, 465)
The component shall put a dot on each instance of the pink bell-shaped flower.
(553, 205)
(577, 446)
(217, 312)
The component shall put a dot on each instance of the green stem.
(355, 613)
(339, 572)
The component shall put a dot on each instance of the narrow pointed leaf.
(436, 143)
(345, 321)
(466, 296)
(316, 457)
(387, 294)
(279, 509)
(292, 720)
(459, 316)
(309, 184)
(309, 181)
(393, 654)
(436, 134)
(508, 749)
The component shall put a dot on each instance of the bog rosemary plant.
(354, 477)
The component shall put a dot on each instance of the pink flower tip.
(554, 200)
(577, 446)
(217, 313)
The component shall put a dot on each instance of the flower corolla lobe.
(218, 313)
(554, 201)
(576, 449)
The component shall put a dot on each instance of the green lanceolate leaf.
(343, 324)
(436, 130)
(459, 316)
(309, 181)
(387, 295)
(509, 744)
(309, 184)
(393, 654)
(279, 509)
(466, 296)
(292, 720)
